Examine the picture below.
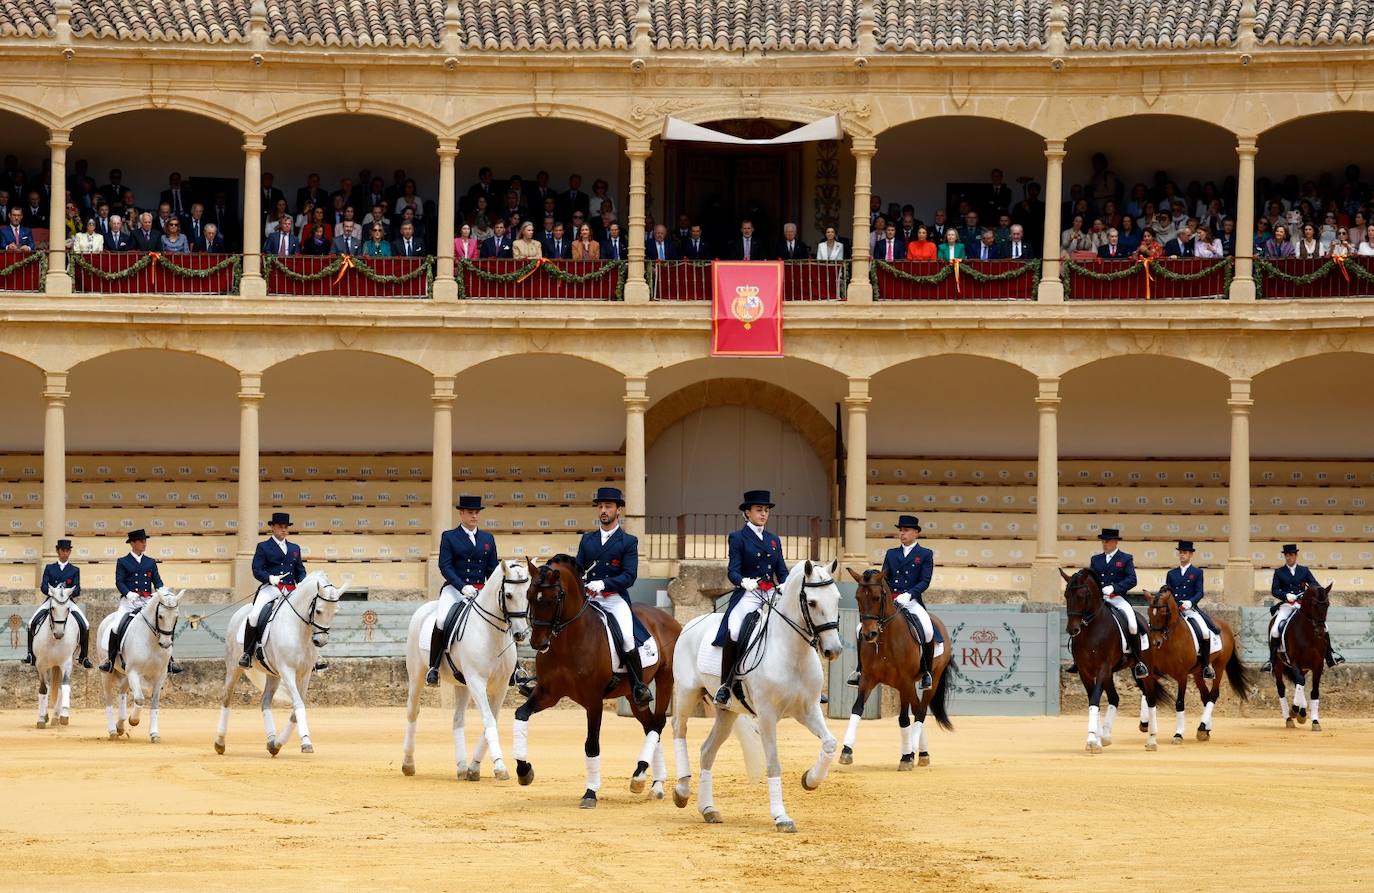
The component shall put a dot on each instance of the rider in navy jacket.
(270, 561)
(467, 559)
(909, 573)
(135, 573)
(62, 573)
(278, 568)
(1187, 584)
(616, 563)
(609, 558)
(1288, 581)
(755, 555)
(1115, 570)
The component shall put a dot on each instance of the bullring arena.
(1022, 278)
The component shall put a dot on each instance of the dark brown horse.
(573, 660)
(1303, 649)
(1095, 643)
(1173, 655)
(891, 656)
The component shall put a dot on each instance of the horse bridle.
(556, 625)
(1167, 629)
(310, 619)
(882, 618)
(54, 624)
(1087, 615)
(813, 631)
(156, 625)
(507, 615)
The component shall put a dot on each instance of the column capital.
(59, 139)
(55, 388)
(1246, 145)
(638, 148)
(444, 390)
(1047, 391)
(250, 388)
(863, 145)
(1054, 149)
(857, 399)
(254, 142)
(448, 148)
(1240, 401)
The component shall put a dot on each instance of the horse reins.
(156, 625)
(812, 634)
(310, 622)
(555, 625)
(501, 624)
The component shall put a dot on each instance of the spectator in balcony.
(35, 211)
(101, 217)
(1075, 238)
(408, 244)
(1366, 246)
(1110, 216)
(318, 242)
(999, 194)
(791, 247)
(1113, 250)
(146, 236)
(317, 229)
(174, 196)
(1163, 228)
(602, 224)
(310, 192)
(1280, 245)
(970, 233)
(1181, 245)
(875, 208)
(907, 231)
(1001, 233)
(89, 240)
(1207, 245)
(513, 225)
(658, 246)
(538, 191)
(696, 247)
(193, 224)
(115, 187)
(1263, 235)
(1128, 235)
(682, 232)
(372, 196)
(1341, 247)
(578, 218)
(275, 212)
(408, 199)
(483, 191)
(343, 195)
(511, 210)
(1213, 216)
(601, 195)
(1150, 247)
(377, 245)
(164, 216)
(1327, 235)
(346, 242)
(497, 245)
(335, 214)
(1309, 246)
(952, 248)
(616, 246)
(1135, 205)
(283, 241)
(465, 247)
(378, 216)
(1017, 248)
(876, 232)
(988, 249)
(750, 247)
(210, 242)
(889, 248)
(73, 225)
(173, 240)
(526, 246)
(1069, 208)
(831, 248)
(558, 246)
(117, 239)
(547, 234)
(1228, 237)
(575, 200)
(585, 248)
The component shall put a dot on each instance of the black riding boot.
(639, 692)
(727, 672)
(1273, 657)
(116, 642)
(436, 654)
(1204, 654)
(1072, 667)
(84, 659)
(172, 666)
(1138, 668)
(927, 659)
(250, 644)
(1332, 658)
(33, 630)
(854, 677)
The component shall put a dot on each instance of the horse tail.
(937, 699)
(1238, 676)
(747, 731)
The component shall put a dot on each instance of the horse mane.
(567, 561)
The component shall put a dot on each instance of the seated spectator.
(1309, 246)
(1207, 244)
(546, 234)
(210, 242)
(407, 244)
(1097, 234)
(73, 225)
(1075, 238)
(408, 199)
(146, 237)
(831, 248)
(1228, 237)
(877, 230)
(497, 246)
(319, 242)
(1002, 232)
(1327, 235)
(1017, 248)
(988, 249)
(1164, 228)
(282, 241)
(791, 247)
(377, 245)
(164, 216)
(602, 223)
(616, 246)
(1279, 246)
(658, 246)
(1181, 245)
(102, 217)
(1262, 235)
(511, 210)
(318, 228)
(310, 192)
(527, 247)
(921, 247)
(173, 240)
(377, 215)
(585, 248)
(696, 248)
(1340, 246)
(89, 240)
(465, 247)
(952, 248)
(1113, 250)
(347, 241)
(938, 225)
(558, 246)
(117, 239)
(1150, 248)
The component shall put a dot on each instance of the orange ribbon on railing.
(1145, 264)
(1339, 260)
(538, 262)
(957, 288)
(345, 264)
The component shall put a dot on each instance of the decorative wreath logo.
(998, 686)
(747, 306)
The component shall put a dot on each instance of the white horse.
(484, 653)
(291, 644)
(781, 676)
(147, 650)
(53, 654)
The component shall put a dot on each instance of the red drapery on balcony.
(129, 272)
(934, 280)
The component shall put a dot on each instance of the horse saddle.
(1214, 641)
(264, 621)
(644, 642)
(464, 606)
(709, 655)
(1141, 624)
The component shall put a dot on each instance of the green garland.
(360, 264)
(232, 261)
(1158, 266)
(138, 266)
(1031, 266)
(1266, 267)
(33, 257)
(566, 277)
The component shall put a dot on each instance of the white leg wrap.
(1180, 721)
(1111, 720)
(851, 734)
(923, 742)
(775, 798)
(492, 739)
(680, 759)
(1207, 716)
(660, 764)
(223, 721)
(705, 790)
(1092, 721)
(1299, 697)
(646, 753)
(1283, 706)
(66, 704)
(918, 731)
(593, 773)
(1314, 711)
(1144, 709)
(42, 706)
(109, 717)
(520, 733)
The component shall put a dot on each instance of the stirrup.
(927, 681)
(321, 666)
(1072, 667)
(432, 677)
(1268, 667)
(1208, 672)
(173, 667)
(1336, 659)
(854, 677)
(640, 693)
(723, 695)
(107, 666)
(1140, 670)
(30, 660)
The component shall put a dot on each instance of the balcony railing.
(802, 280)
(132, 273)
(702, 537)
(23, 270)
(541, 279)
(1166, 278)
(346, 276)
(965, 280)
(1283, 278)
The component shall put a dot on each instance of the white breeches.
(1200, 623)
(619, 609)
(1286, 610)
(748, 603)
(1127, 612)
(448, 597)
(266, 592)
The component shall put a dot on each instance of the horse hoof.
(656, 792)
(307, 748)
(1204, 735)
(154, 738)
(472, 773)
(64, 720)
(923, 760)
(1316, 725)
(681, 795)
(1095, 747)
(847, 756)
(1289, 724)
(711, 815)
(502, 775)
(1178, 739)
(408, 769)
(806, 781)
(1144, 727)
(1300, 713)
(905, 766)
(1106, 742)
(588, 801)
(786, 826)
(273, 747)
(1152, 747)
(133, 720)
(637, 784)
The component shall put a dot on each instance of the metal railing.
(348, 276)
(23, 270)
(1160, 279)
(541, 279)
(139, 272)
(966, 280)
(1290, 278)
(702, 537)
(802, 280)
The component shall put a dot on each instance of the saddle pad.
(709, 655)
(1215, 640)
(427, 628)
(1123, 630)
(647, 645)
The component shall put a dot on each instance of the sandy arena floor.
(1008, 804)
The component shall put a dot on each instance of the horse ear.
(807, 571)
(1067, 578)
(529, 565)
(858, 577)
(1329, 585)
(834, 566)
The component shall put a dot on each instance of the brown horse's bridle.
(1168, 626)
(1087, 615)
(556, 625)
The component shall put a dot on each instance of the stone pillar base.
(860, 292)
(1051, 292)
(1045, 583)
(1242, 289)
(636, 291)
(58, 284)
(446, 290)
(1240, 583)
(252, 287)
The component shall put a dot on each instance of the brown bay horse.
(1095, 643)
(573, 660)
(1173, 655)
(891, 656)
(1302, 651)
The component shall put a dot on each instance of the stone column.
(441, 473)
(636, 402)
(860, 289)
(1240, 568)
(445, 286)
(55, 396)
(856, 474)
(252, 284)
(1243, 285)
(636, 287)
(250, 399)
(59, 281)
(1051, 286)
(1045, 582)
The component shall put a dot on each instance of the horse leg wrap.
(646, 753)
(660, 764)
(706, 790)
(680, 757)
(1092, 721)
(851, 734)
(775, 797)
(520, 734)
(593, 773)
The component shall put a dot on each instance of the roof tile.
(924, 25)
(25, 18)
(1152, 24)
(737, 25)
(182, 21)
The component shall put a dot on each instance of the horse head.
(1082, 597)
(59, 609)
(1315, 603)
(555, 597)
(323, 606)
(820, 606)
(164, 607)
(874, 596)
(1163, 609)
(515, 598)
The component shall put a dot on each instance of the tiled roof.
(185, 21)
(960, 24)
(351, 23)
(1308, 22)
(25, 18)
(546, 24)
(754, 24)
(1151, 24)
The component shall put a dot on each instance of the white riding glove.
(1292, 597)
(748, 584)
(274, 579)
(597, 586)
(902, 598)
(1186, 605)
(1108, 589)
(469, 592)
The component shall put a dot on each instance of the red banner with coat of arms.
(746, 309)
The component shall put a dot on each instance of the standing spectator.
(585, 248)
(173, 241)
(600, 195)
(526, 247)
(174, 196)
(539, 192)
(575, 200)
(89, 241)
(970, 233)
(270, 193)
(484, 188)
(792, 248)
(36, 211)
(465, 247)
(497, 245)
(377, 245)
(831, 248)
(999, 195)
(889, 248)
(310, 192)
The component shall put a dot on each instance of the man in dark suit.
(683, 232)
(987, 248)
(282, 241)
(575, 199)
(538, 191)
(971, 234)
(1112, 250)
(1030, 213)
(175, 196)
(938, 226)
(270, 193)
(557, 246)
(117, 239)
(484, 187)
(222, 216)
(146, 236)
(115, 188)
(999, 195)
(659, 246)
(611, 557)
(1228, 237)
(210, 242)
(748, 246)
(1018, 248)
(1180, 245)
(193, 224)
(499, 245)
(889, 247)
(616, 246)
(16, 236)
(36, 211)
(694, 247)
(347, 241)
(791, 247)
(311, 192)
(407, 244)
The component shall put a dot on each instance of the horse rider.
(756, 568)
(1287, 588)
(61, 573)
(1186, 583)
(136, 578)
(279, 569)
(1115, 571)
(908, 569)
(610, 559)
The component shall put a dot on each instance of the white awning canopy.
(824, 129)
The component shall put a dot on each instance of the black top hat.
(755, 497)
(280, 518)
(470, 502)
(1185, 546)
(136, 535)
(1109, 533)
(610, 494)
(1290, 549)
(64, 544)
(908, 521)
